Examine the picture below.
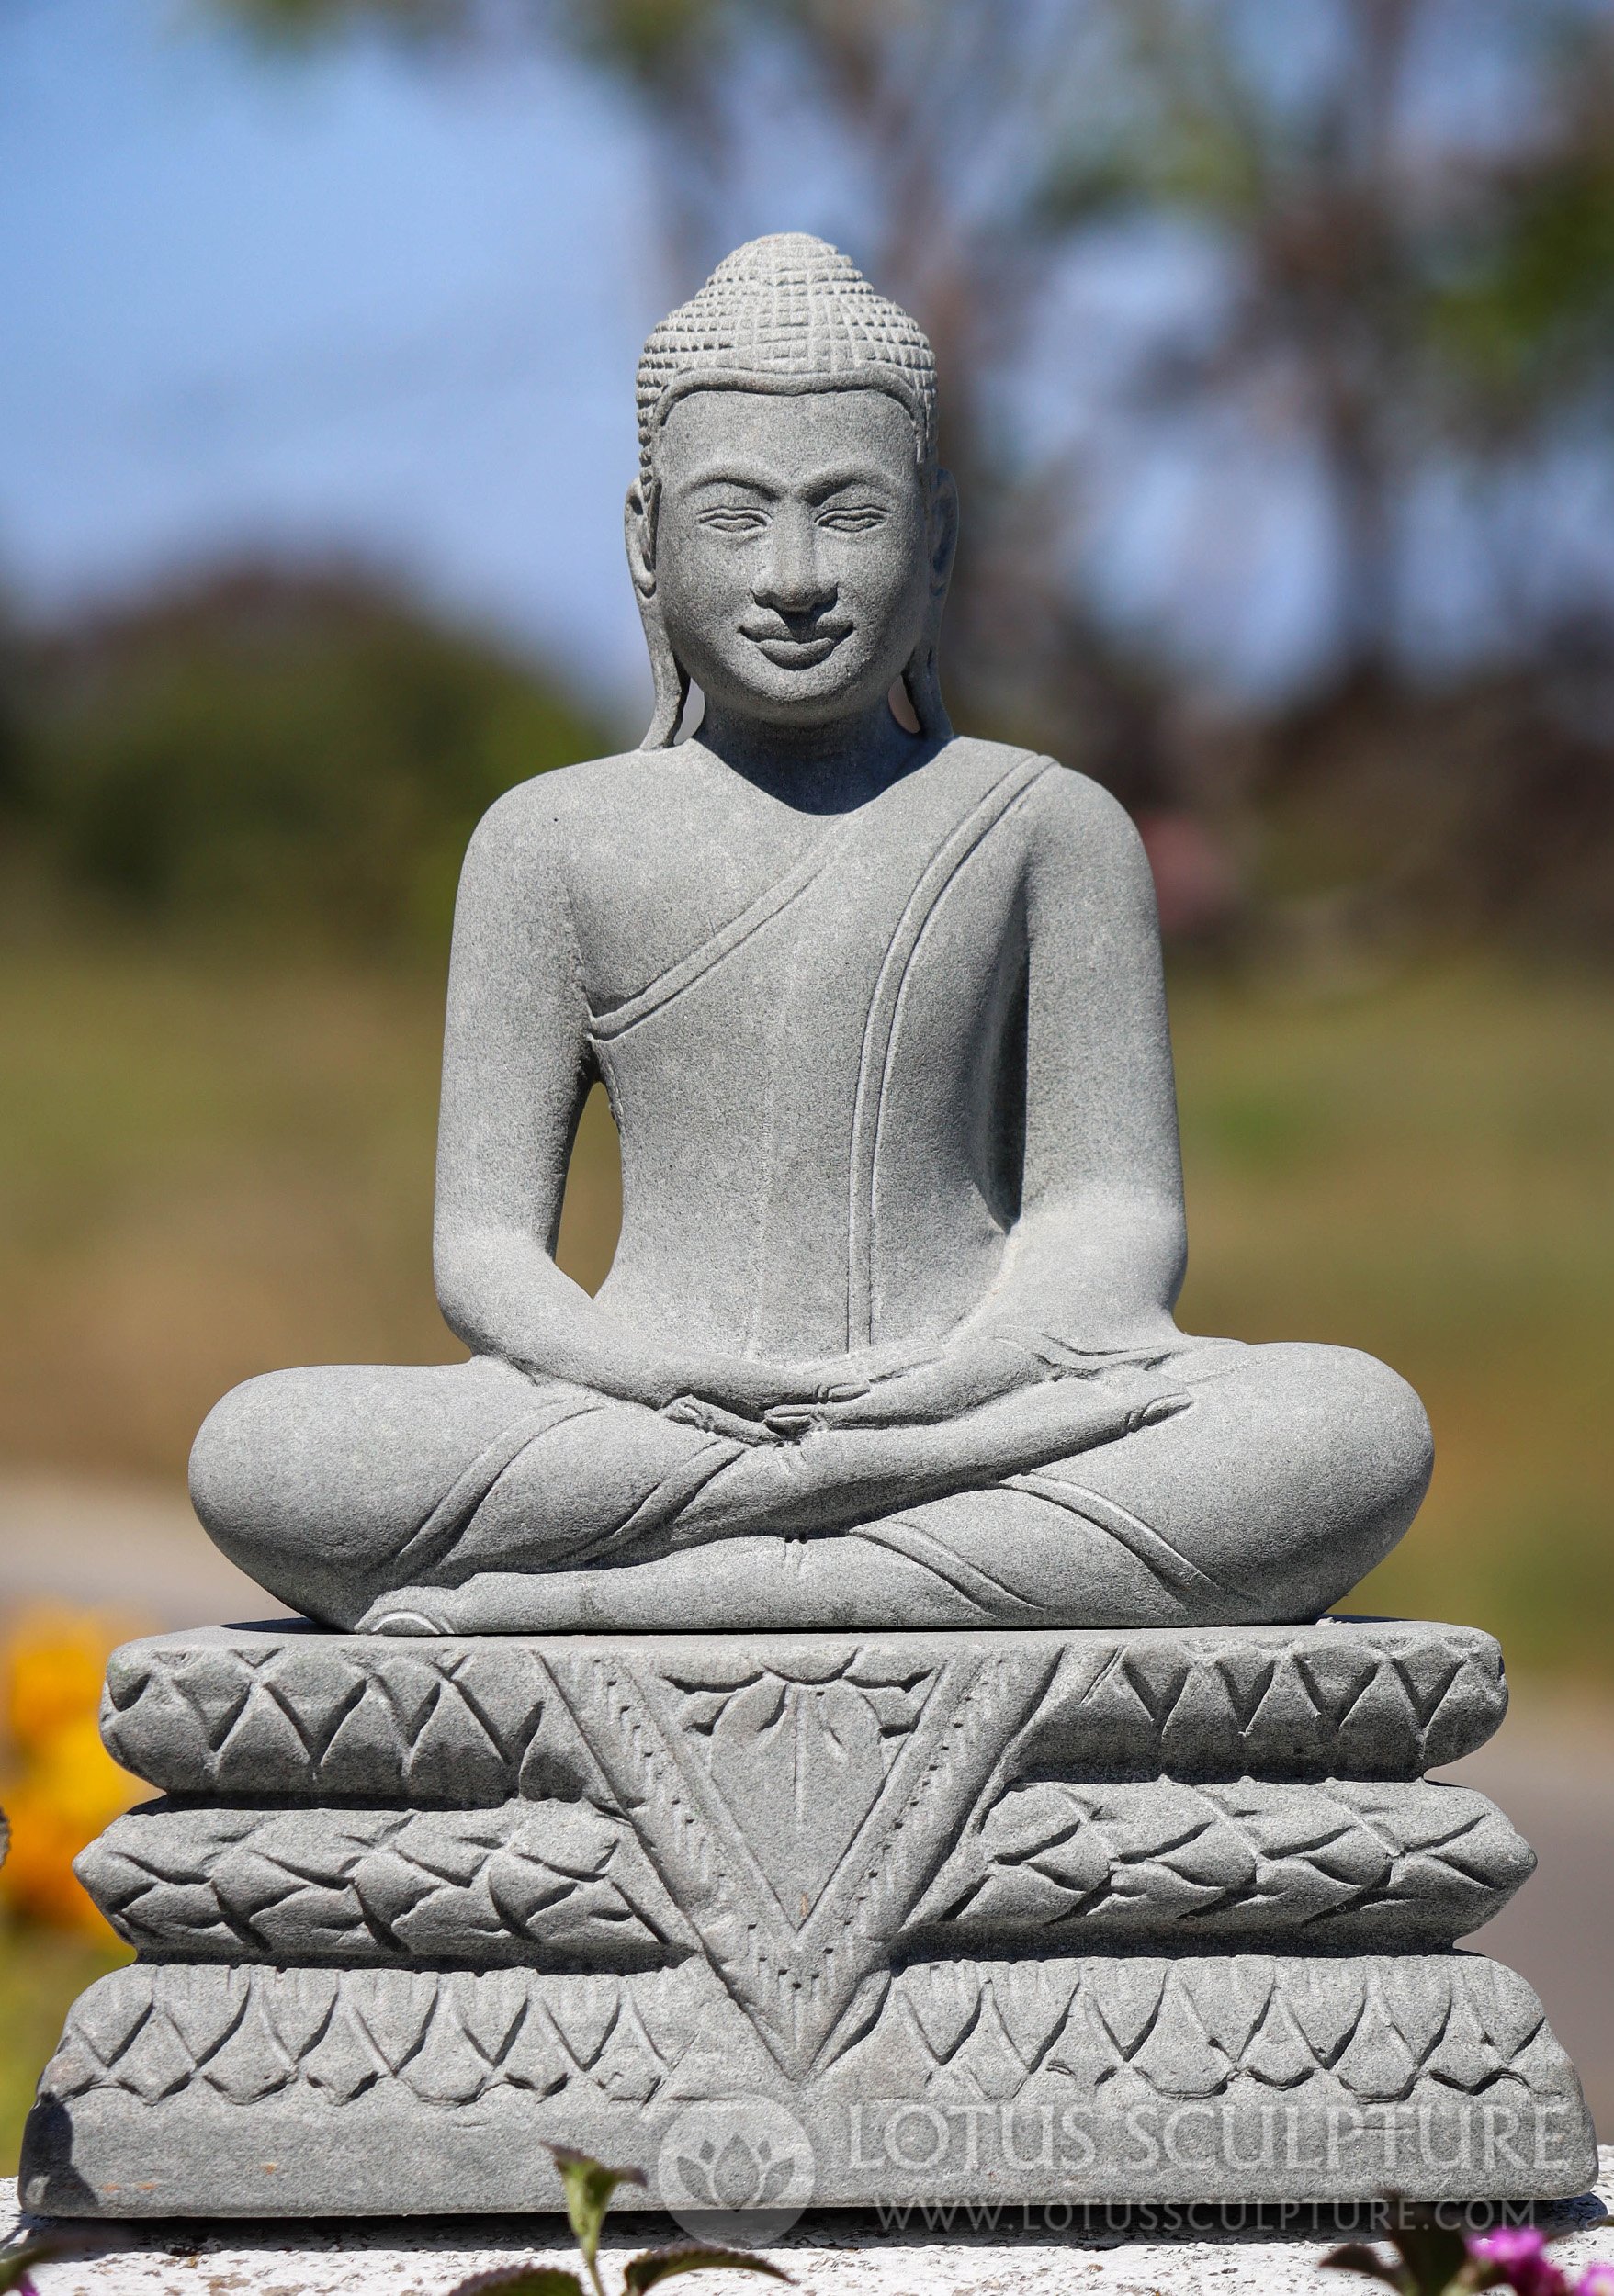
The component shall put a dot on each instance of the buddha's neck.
(816, 768)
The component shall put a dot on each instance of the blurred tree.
(1314, 285)
(265, 741)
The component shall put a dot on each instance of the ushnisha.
(888, 1338)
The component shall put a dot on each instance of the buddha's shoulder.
(555, 810)
(1055, 799)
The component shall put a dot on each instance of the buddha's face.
(796, 549)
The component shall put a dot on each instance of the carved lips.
(788, 650)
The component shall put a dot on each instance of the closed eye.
(860, 520)
(727, 520)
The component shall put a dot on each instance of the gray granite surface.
(939, 1904)
(183, 2090)
(471, 1720)
(544, 1882)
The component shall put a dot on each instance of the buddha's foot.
(426, 1610)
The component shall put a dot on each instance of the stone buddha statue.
(888, 1338)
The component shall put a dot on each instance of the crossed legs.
(470, 1498)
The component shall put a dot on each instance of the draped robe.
(821, 1106)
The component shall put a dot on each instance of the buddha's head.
(789, 531)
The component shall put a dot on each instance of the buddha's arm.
(515, 1070)
(1095, 1260)
(1097, 1257)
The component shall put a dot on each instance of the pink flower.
(1520, 2256)
(1597, 2280)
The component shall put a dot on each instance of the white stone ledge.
(827, 2255)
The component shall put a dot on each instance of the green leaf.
(661, 2264)
(15, 2264)
(1356, 2256)
(520, 2279)
(588, 2185)
(1433, 2254)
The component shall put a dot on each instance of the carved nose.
(793, 581)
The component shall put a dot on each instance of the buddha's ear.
(639, 523)
(668, 674)
(943, 536)
(921, 678)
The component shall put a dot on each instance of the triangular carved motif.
(797, 1755)
(797, 1975)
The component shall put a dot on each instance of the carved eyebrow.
(731, 473)
(837, 481)
(816, 488)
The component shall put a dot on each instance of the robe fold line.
(1013, 786)
(700, 960)
(433, 1538)
(1140, 1539)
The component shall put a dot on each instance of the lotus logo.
(736, 2169)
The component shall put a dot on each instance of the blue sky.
(349, 304)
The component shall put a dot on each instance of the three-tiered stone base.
(1165, 1915)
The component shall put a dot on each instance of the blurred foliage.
(294, 20)
(263, 745)
(1388, 821)
(1529, 314)
(57, 1784)
(1404, 263)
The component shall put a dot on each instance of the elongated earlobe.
(670, 678)
(921, 678)
(672, 683)
(921, 682)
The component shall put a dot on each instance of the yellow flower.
(53, 1662)
(61, 1787)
